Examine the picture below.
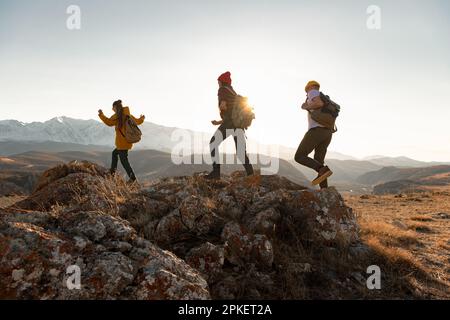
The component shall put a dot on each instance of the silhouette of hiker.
(317, 138)
(122, 145)
(226, 128)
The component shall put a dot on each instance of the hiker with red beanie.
(227, 96)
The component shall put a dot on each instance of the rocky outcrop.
(181, 238)
(38, 248)
(78, 185)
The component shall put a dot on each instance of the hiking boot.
(249, 169)
(324, 173)
(132, 181)
(214, 174)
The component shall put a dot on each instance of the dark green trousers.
(316, 139)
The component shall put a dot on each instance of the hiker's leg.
(214, 144)
(123, 154)
(321, 151)
(309, 143)
(114, 160)
(241, 150)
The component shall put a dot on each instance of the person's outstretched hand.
(142, 117)
(100, 111)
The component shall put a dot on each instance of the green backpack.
(326, 115)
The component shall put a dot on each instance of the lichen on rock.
(180, 238)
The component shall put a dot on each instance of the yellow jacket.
(121, 142)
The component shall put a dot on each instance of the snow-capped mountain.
(60, 129)
(85, 132)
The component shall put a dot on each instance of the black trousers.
(123, 155)
(224, 131)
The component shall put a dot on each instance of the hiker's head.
(224, 79)
(312, 85)
(118, 109)
(117, 106)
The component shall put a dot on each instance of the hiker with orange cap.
(317, 138)
(227, 97)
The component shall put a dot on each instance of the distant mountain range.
(404, 162)
(85, 135)
(12, 147)
(42, 144)
(402, 180)
(66, 134)
(83, 132)
(432, 175)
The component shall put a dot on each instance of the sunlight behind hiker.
(236, 117)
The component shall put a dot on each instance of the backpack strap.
(325, 99)
(231, 90)
(126, 118)
(121, 133)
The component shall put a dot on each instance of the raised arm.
(108, 121)
(140, 120)
(316, 103)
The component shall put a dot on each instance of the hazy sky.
(163, 57)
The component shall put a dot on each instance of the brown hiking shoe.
(324, 173)
(132, 180)
(213, 175)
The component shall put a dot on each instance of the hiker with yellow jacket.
(118, 120)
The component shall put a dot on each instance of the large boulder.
(38, 248)
(64, 170)
(235, 230)
(79, 185)
(322, 216)
(207, 258)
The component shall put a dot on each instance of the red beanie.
(225, 78)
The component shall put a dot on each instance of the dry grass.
(113, 191)
(388, 233)
(420, 227)
(332, 273)
(422, 218)
(410, 239)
